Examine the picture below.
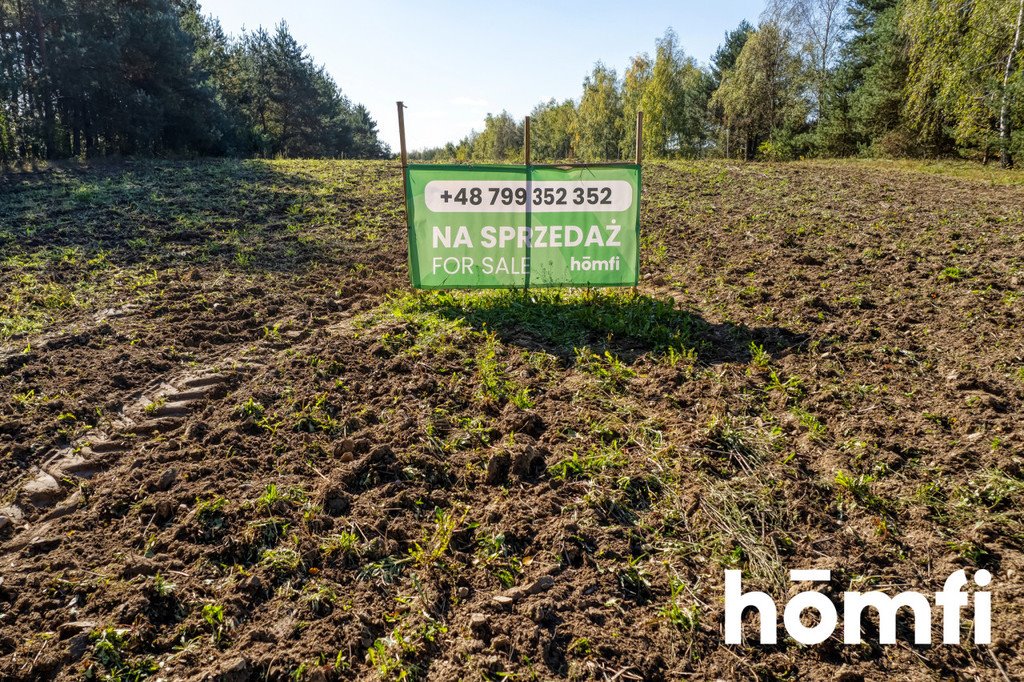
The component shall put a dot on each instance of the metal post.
(639, 156)
(526, 141)
(405, 158)
(639, 137)
(401, 133)
(529, 201)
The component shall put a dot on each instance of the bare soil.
(235, 445)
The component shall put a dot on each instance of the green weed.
(500, 559)
(494, 383)
(434, 544)
(610, 370)
(952, 274)
(343, 546)
(210, 512)
(759, 356)
(281, 561)
(113, 661)
(684, 619)
(588, 465)
(213, 617)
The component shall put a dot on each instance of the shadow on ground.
(626, 324)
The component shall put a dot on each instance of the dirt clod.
(498, 467)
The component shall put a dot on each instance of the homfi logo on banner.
(952, 600)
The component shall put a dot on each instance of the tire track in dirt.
(162, 408)
(52, 489)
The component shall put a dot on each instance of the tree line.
(101, 77)
(894, 78)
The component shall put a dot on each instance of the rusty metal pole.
(526, 140)
(529, 199)
(639, 137)
(405, 154)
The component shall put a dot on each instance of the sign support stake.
(529, 202)
(526, 141)
(405, 155)
(639, 159)
(639, 137)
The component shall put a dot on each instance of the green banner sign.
(519, 226)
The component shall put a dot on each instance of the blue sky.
(453, 62)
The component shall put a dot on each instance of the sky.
(452, 62)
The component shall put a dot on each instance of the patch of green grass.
(88, 193)
(320, 597)
(581, 646)
(316, 416)
(386, 659)
(967, 170)
(251, 409)
(281, 561)
(938, 419)
(759, 356)
(590, 464)
(565, 319)
(435, 542)
(952, 274)
(151, 408)
(253, 412)
(384, 571)
(16, 325)
(23, 400)
(274, 497)
(810, 422)
(858, 488)
(609, 369)
(213, 618)
(634, 580)
(791, 388)
(992, 489)
(972, 552)
(261, 533)
(162, 588)
(494, 382)
(497, 555)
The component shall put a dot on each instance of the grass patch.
(595, 461)
(562, 320)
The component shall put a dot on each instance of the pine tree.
(870, 81)
(155, 76)
(728, 52)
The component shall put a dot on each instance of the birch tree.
(965, 70)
